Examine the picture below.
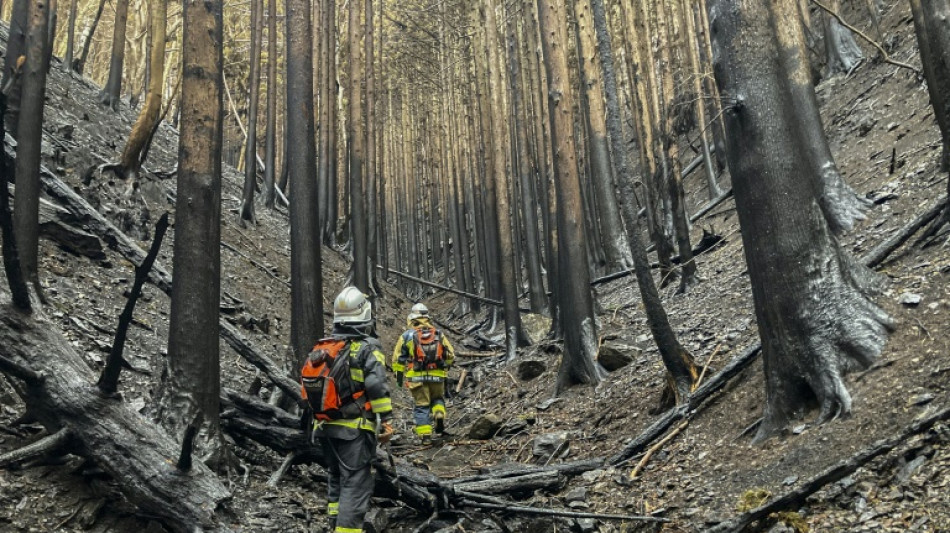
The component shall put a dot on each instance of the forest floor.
(695, 480)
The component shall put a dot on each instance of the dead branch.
(284, 467)
(441, 287)
(559, 512)
(881, 252)
(45, 446)
(109, 379)
(884, 55)
(653, 449)
(794, 498)
(12, 368)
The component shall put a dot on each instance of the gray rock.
(921, 399)
(546, 445)
(616, 356)
(546, 404)
(585, 525)
(577, 494)
(515, 425)
(910, 299)
(529, 369)
(535, 326)
(485, 427)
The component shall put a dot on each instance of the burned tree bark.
(191, 382)
(133, 155)
(26, 204)
(811, 298)
(109, 96)
(839, 202)
(306, 276)
(106, 431)
(16, 48)
(254, 80)
(575, 303)
(841, 51)
(682, 370)
(270, 129)
(356, 140)
(933, 37)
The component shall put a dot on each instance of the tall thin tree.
(191, 382)
(306, 276)
(254, 81)
(270, 135)
(109, 96)
(576, 308)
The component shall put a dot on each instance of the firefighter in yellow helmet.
(422, 357)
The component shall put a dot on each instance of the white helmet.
(351, 307)
(418, 310)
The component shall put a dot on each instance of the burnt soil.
(695, 480)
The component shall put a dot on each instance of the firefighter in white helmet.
(422, 357)
(349, 433)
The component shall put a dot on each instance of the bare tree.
(109, 96)
(306, 275)
(933, 38)
(270, 134)
(89, 33)
(133, 155)
(814, 315)
(842, 52)
(681, 369)
(191, 384)
(26, 205)
(254, 96)
(70, 37)
(578, 365)
(16, 48)
(356, 141)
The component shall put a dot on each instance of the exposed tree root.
(45, 446)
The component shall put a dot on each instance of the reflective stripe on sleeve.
(356, 374)
(382, 405)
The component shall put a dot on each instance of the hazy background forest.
(693, 255)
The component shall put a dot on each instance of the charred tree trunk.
(356, 147)
(254, 80)
(87, 43)
(12, 75)
(372, 197)
(611, 228)
(932, 23)
(839, 202)
(135, 149)
(793, 257)
(331, 199)
(270, 134)
(682, 370)
(26, 204)
(110, 94)
(842, 52)
(19, 292)
(578, 365)
(191, 381)
(106, 431)
(498, 184)
(306, 275)
(70, 37)
(532, 254)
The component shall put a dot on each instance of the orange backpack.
(428, 349)
(326, 384)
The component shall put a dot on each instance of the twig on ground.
(653, 449)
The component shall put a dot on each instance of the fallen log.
(559, 512)
(550, 480)
(834, 473)
(442, 287)
(133, 451)
(881, 252)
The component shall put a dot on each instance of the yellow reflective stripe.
(348, 530)
(399, 367)
(356, 374)
(355, 348)
(380, 357)
(439, 373)
(333, 508)
(438, 408)
(424, 430)
(355, 423)
(382, 405)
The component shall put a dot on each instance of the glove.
(399, 379)
(385, 433)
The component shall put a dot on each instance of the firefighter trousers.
(429, 400)
(350, 484)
